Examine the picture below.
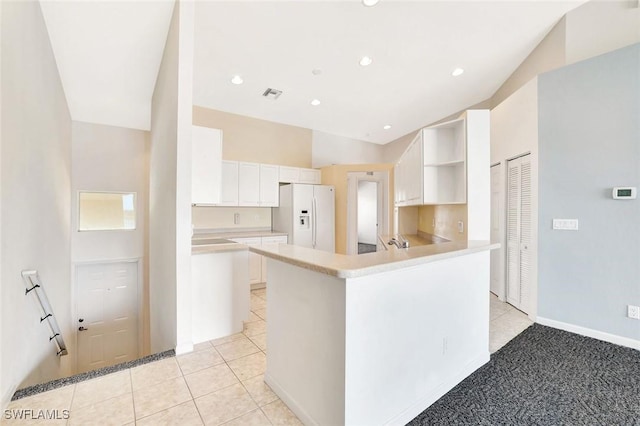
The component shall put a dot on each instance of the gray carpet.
(546, 377)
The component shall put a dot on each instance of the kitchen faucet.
(400, 243)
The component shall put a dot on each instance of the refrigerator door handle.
(314, 221)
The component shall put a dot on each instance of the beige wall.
(170, 188)
(596, 27)
(36, 204)
(259, 141)
(392, 151)
(446, 219)
(548, 55)
(253, 140)
(108, 158)
(209, 218)
(328, 149)
(337, 176)
(600, 26)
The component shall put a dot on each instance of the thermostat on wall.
(624, 193)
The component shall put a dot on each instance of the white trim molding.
(596, 334)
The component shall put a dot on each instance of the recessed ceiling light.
(315, 102)
(370, 3)
(456, 72)
(387, 126)
(365, 61)
(237, 79)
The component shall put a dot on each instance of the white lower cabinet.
(257, 263)
(255, 260)
(220, 294)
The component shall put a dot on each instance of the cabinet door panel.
(206, 165)
(289, 174)
(248, 184)
(255, 260)
(310, 176)
(269, 188)
(229, 190)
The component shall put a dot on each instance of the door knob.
(82, 328)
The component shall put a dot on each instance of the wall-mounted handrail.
(34, 285)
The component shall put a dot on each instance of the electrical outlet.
(236, 218)
(565, 224)
(633, 312)
(460, 226)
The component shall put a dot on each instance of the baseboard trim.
(408, 413)
(184, 348)
(258, 286)
(438, 392)
(589, 332)
(6, 397)
(304, 417)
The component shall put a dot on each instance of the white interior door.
(497, 256)
(107, 307)
(519, 232)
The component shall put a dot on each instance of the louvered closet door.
(519, 232)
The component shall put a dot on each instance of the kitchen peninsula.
(375, 338)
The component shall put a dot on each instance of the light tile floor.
(221, 382)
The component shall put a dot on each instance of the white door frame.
(382, 178)
(500, 238)
(139, 294)
(503, 164)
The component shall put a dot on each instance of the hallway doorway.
(367, 210)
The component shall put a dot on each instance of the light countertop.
(352, 266)
(237, 234)
(217, 245)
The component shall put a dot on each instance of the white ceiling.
(108, 54)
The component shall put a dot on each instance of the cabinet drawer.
(282, 239)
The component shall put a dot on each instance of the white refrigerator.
(307, 215)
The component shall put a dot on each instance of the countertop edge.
(382, 265)
(218, 248)
(239, 234)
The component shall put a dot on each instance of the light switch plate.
(565, 224)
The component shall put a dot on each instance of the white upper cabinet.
(206, 165)
(445, 172)
(289, 174)
(269, 187)
(433, 169)
(299, 175)
(229, 192)
(311, 176)
(248, 184)
(408, 175)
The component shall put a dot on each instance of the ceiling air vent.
(272, 93)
